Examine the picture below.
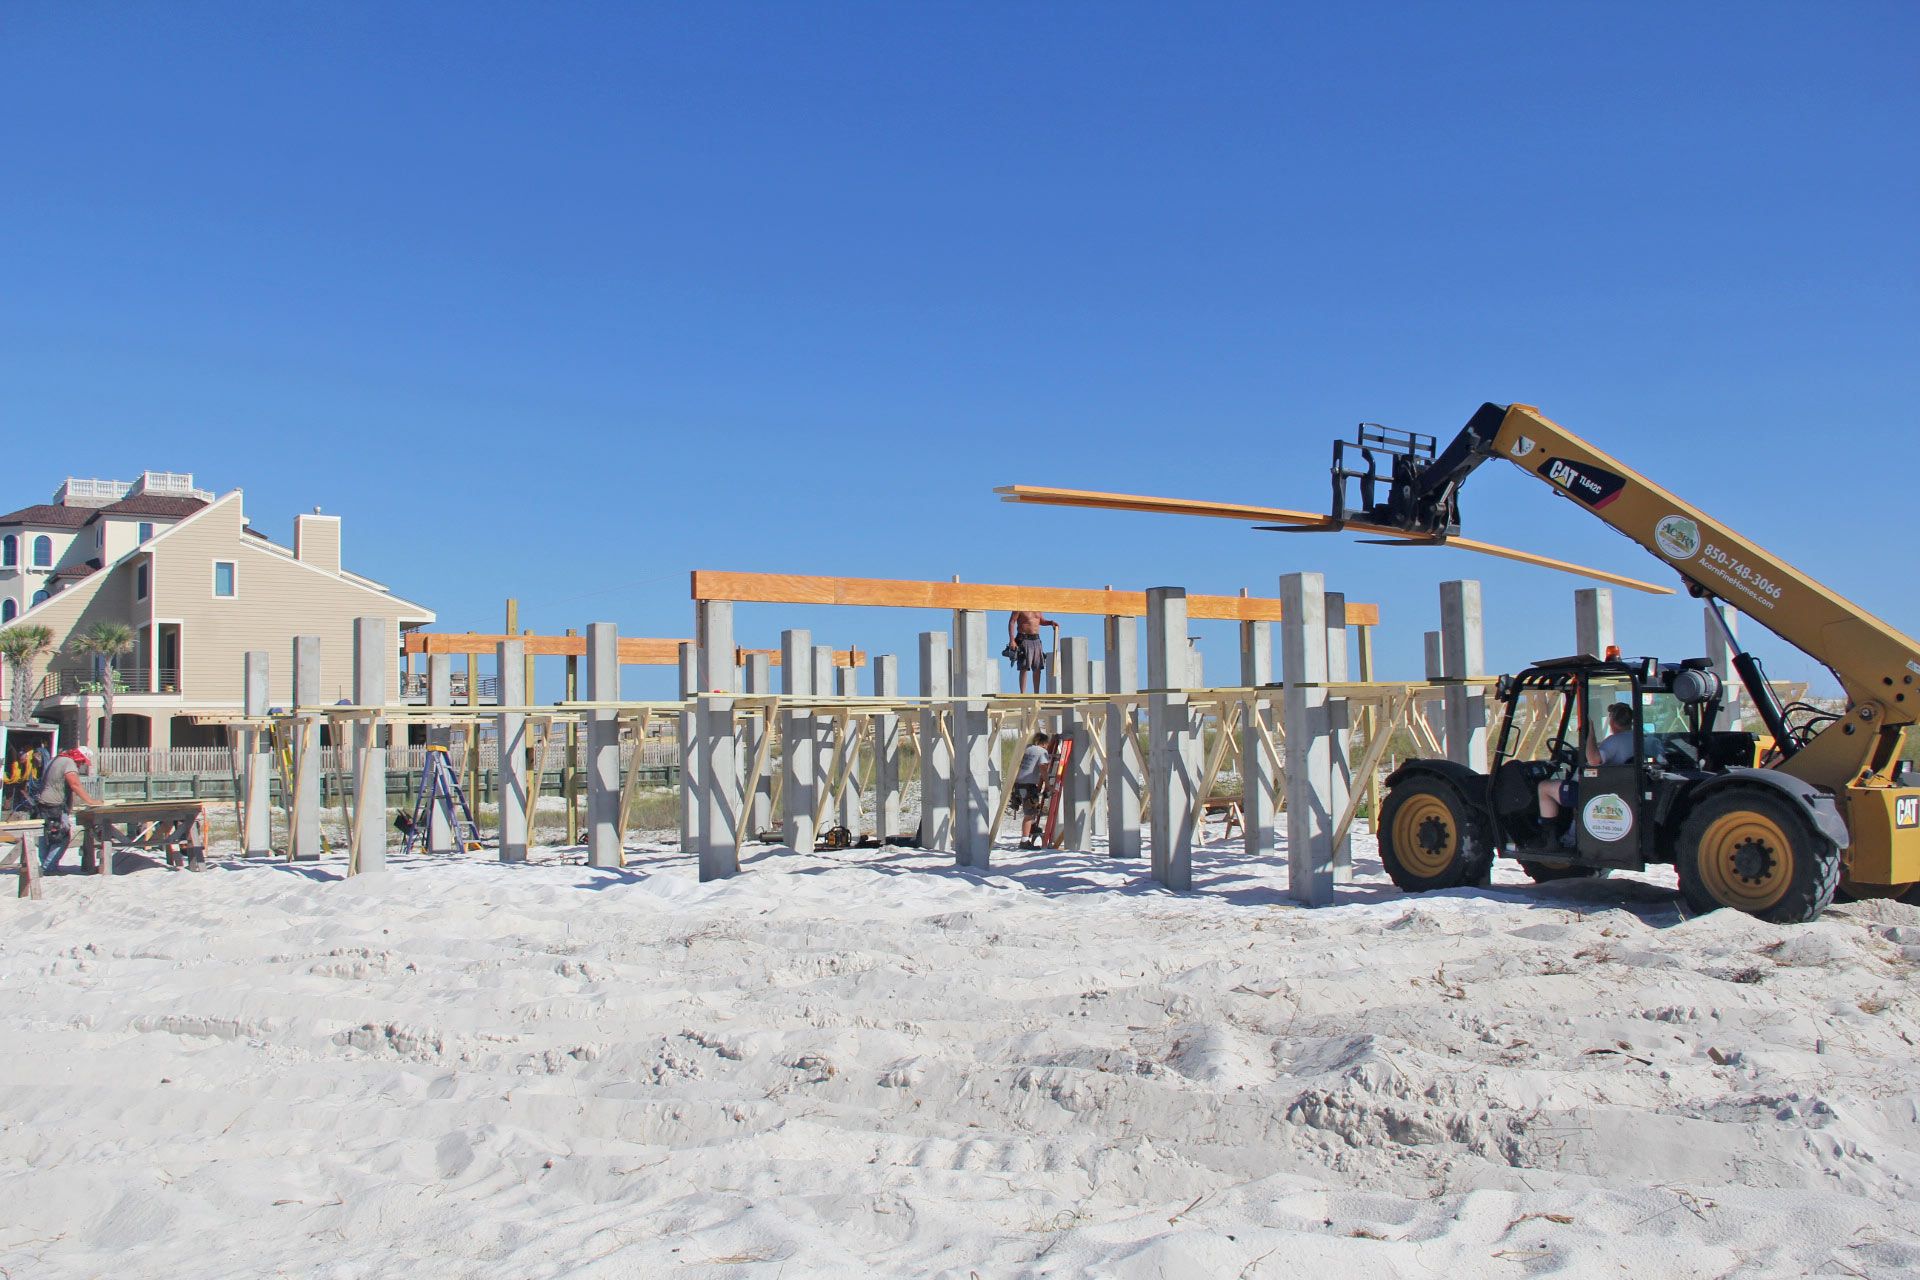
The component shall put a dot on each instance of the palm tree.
(105, 643)
(22, 646)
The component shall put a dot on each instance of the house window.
(40, 596)
(146, 530)
(140, 582)
(7, 609)
(9, 551)
(224, 585)
(43, 552)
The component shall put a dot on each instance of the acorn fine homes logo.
(1678, 537)
(1607, 817)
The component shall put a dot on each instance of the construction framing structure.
(782, 765)
(788, 764)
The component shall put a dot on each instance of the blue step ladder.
(440, 792)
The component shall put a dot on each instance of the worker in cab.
(1560, 794)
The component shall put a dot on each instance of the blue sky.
(562, 301)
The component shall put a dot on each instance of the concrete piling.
(1303, 637)
(1173, 739)
(370, 658)
(304, 839)
(1720, 652)
(1126, 773)
(886, 752)
(848, 686)
(1076, 801)
(972, 742)
(936, 757)
(720, 803)
(1096, 683)
(757, 726)
(1436, 669)
(1259, 771)
(690, 802)
(439, 694)
(510, 731)
(798, 776)
(1463, 650)
(1593, 621)
(257, 839)
(1339, 734)
(603, 746)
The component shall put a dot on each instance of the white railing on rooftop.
(174, 484)
(79, 492)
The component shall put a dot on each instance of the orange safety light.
(1613, 653)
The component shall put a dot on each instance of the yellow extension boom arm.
(1877, 666)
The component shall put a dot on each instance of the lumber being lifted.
(635, 651)
(1301, 522)
(896, 593)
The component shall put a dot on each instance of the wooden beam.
(1303, 521)
(898, 593)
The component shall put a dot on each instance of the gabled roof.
(47, 515)
(152, 504)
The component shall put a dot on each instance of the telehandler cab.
(1685, 786)
(1830, 808)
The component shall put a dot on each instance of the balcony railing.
(69, 684)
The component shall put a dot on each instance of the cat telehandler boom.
(1829, 807)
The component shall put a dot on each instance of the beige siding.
(277, 598)
(104, 597)
(101, 598)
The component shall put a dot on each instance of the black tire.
(1547, 872)
(1753, 850)
(1431, 838)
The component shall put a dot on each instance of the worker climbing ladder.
(441, 794)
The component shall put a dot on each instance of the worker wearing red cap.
(59, 791)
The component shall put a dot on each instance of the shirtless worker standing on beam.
(1023, 637)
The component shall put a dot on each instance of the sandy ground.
(870, 1063)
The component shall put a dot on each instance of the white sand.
(869, 1063)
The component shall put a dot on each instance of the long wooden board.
(635, 651)
(1305, 521)
(901, 593)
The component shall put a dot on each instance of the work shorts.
(1032, 657)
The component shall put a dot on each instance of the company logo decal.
(1608, 818)
(1590, 484)
(1678, 538)
(1906, 811)
(1522, 447)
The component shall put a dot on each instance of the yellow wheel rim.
(1746, 861)
(1425, 835)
